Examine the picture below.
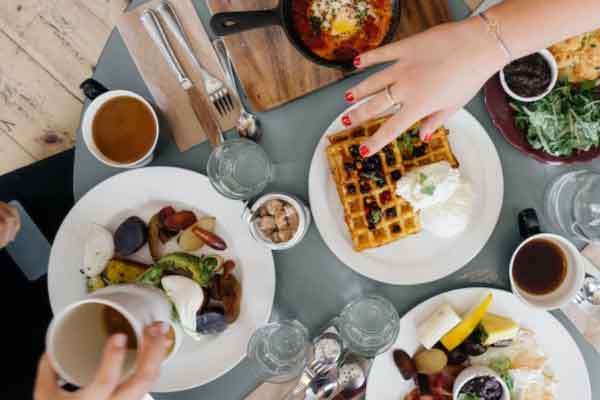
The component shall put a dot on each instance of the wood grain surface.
(47, 48)
(262, 54)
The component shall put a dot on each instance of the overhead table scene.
(418, 257)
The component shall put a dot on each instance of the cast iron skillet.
(229, 23)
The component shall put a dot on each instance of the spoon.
(351, 377)
(248, 125)
(590, 291)
(322, 388)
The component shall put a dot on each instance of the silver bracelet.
(494, 28)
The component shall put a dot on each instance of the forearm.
(530, 25)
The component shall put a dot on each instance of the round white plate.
(386, 383)
(143, 192)
(422, 257)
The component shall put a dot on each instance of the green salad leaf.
(565, 121)
(467, 396)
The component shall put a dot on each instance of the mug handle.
(91, 88)
(529, 224)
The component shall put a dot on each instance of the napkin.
(586, 317)
(169, 97)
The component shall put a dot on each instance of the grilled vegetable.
(405, 364)
(123, 271)
(201, 268)
(211, 323)
(180, 221)
(472, 347)
(231, 292)
(188, 241)
(430, 361)
(461, 331)
(209, 238)
(154, 241)
(95, 283)
(130, 236)
(457, 356)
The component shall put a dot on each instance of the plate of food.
(168, 228)
(562, 126)
(479, 344)
(403, 216)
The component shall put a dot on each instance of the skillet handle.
(229, 23)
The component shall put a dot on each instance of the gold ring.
(388, 93)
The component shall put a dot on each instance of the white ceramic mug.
(77, 335)
(100, 96)
(567, 290)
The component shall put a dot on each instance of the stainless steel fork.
(217, 92)
(312, 370)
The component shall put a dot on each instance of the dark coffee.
(540, 267)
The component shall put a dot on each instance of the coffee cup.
(119, 127)
(546, 270)
(77, 335)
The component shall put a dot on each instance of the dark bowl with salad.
(561, 128)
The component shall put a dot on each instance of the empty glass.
(572, 204)
(239, 169)
(280, 349)
(369, 325)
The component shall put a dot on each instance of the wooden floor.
(47, 47)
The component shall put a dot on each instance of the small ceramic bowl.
(304, 217)
(554, 71)
(476, 372)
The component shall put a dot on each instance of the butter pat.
(431, 330)
(498, 328)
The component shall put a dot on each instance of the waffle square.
(374, 214)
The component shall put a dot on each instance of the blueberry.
(396, 229)
(396, 175)
(354, 151)
(349, 167)
(420, 151)
(350, 188)
(365, 188)
(391, 212)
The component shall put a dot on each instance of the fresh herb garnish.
(500, 365)
(428, 190)
(467, 396)
(565, 121)
(375, 216)
(379, 180)
(480, 335)
(422, 178)
(508, 379)
(405, 144)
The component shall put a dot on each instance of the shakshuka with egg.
(339, 30)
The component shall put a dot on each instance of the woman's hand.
(106, 383)
(10, 223)
(435, 73)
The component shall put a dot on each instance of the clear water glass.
(280, 350)
(572, 204)
(239, 169)
(369, 325)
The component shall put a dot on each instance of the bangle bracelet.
(494, 28)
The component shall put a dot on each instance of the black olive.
(130, 236)
(405, 364)
(456, 356)
(396, 175)
(350, 188)
(473, 348)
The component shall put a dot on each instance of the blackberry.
(385, 197)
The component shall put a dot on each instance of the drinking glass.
(280, 349)
(239, 169)
(369, 325)
(572, 204)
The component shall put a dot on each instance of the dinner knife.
(200, 105)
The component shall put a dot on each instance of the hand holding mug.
(107, 383)
(10, 223)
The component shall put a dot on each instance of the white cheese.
(431, 330)
(99, 249)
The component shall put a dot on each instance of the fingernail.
(167, 343)
(119, 340)
(346, 120)
(356, 61)
(349, 96)
(363, 150)
(428, 138)
(158, 329)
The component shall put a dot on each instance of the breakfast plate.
(142, 193)
(563, 355)
(422, 257)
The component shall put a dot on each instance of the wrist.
(483, 48)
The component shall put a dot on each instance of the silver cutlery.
(323, 388)
(200, 105)
(248, 124)
(216, 90)
(590, 292)
(314, 369)
(351, 377)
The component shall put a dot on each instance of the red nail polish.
(349, 96)
(428, 138)
(356, 61)
(363, 150)
(346, 120)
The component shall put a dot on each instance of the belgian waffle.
(374, 214)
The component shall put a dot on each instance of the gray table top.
(312, 284)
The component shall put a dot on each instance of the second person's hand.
(10, 223)
(434, 74)
(106, 384)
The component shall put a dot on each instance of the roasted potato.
(123, 271)
(188, 241)
(231, 292)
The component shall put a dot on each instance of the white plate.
(386, 383)
(143, 192)
(422, 257)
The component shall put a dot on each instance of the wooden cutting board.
(272, 72)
